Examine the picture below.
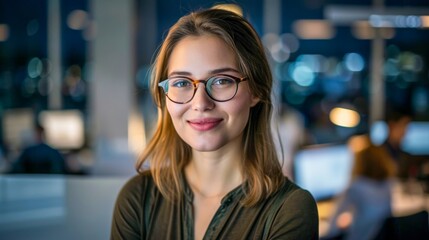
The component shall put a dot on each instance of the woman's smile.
(205, 124)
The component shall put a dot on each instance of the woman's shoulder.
(297, 215)
(292, 192)
(128, 215)
(299, 201)
(141, 177)
(142, 181)
(295, 200)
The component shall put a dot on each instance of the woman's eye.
(223, 81)
(182, 83)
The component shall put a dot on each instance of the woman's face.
(207, 125)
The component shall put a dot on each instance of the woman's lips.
(204, 124)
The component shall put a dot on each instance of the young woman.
(213, 169)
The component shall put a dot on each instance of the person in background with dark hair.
(366, 203)
(397, 122)
(213, 170)
(40, 157)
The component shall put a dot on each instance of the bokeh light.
(316, 62)
(32, 27)
(4, 32)
(378, 132)
(302, 74)
(28, 87)
(354, 62)
(289, 41)
(35, 67)
(279, 52)
(344, 117)
(391, 67)
(77, 19)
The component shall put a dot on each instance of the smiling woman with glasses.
(211, 170)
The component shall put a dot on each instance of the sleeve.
(127, 213)
(297, 218)
(18, 164)
(345, 203)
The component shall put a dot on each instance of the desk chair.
(413, 226)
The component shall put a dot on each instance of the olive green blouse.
(141, 212)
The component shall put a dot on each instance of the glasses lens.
(180, 89)
(221, 88)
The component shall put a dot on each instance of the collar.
(230, 197)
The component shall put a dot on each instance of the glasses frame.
(164, 85)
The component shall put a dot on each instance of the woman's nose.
(201, 100)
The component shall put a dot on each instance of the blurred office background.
(80, 69)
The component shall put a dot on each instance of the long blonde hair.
(168, 154)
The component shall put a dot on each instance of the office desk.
(57, 207)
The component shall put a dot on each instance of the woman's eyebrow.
(212, 72)
(179, 73)
(221, 70)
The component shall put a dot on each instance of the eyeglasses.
(220, 88)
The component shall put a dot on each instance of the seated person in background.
(40, 157)
(366, 203)
(397, 123)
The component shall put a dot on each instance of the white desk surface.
(57, 207)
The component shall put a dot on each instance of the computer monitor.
(415, 141)
(323, 170)
(64, 129)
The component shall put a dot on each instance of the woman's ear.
(254, 100)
